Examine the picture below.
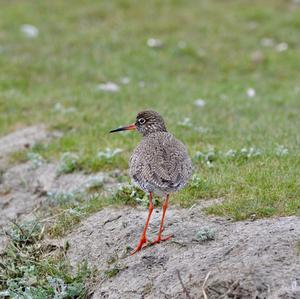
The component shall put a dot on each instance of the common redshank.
(159, 164)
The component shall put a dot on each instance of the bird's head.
(147, 122)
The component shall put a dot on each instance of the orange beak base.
(126, 128)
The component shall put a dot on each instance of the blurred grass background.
(213, 50)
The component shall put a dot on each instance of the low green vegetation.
(31, 268)
(238, 59)
(205, 234)
(68, 209)
(112, 272)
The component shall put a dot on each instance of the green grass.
(83, 44)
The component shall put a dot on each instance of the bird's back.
(160, 164)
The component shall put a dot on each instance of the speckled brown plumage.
(159, 164)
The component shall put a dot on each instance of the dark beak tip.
(130, 127)
(111, 131)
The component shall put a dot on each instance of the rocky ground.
(249, 259)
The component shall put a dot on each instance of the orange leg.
(159, 237)
(143, 238)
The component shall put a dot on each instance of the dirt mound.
(245, 260)
(24, 188)
(23, 138)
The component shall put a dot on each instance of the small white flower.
(282, 47)
(281, 150)
(200, 102)
(196, 180)
(133, 193)
(230, 153)
(207, 157)
(244, 150)
(209, 164)
(29, 31)
(142, 84)
(186, 122)
(201, 52)
(109, 86)
(154, 43)
(201, 129)
(181, 44)
(125, 80)
(267, 42)
(251, 92)
(109, 153)
(253, 152)
(58, 107)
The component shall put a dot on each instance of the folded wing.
(160, 163)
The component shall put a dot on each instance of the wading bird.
(159, 164)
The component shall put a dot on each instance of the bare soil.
(245, 260)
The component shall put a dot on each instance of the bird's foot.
(160, 239)
(142, 241)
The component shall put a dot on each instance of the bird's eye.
(141, 121)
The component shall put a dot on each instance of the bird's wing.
(161, 162)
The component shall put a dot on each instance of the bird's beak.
(129, 127)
